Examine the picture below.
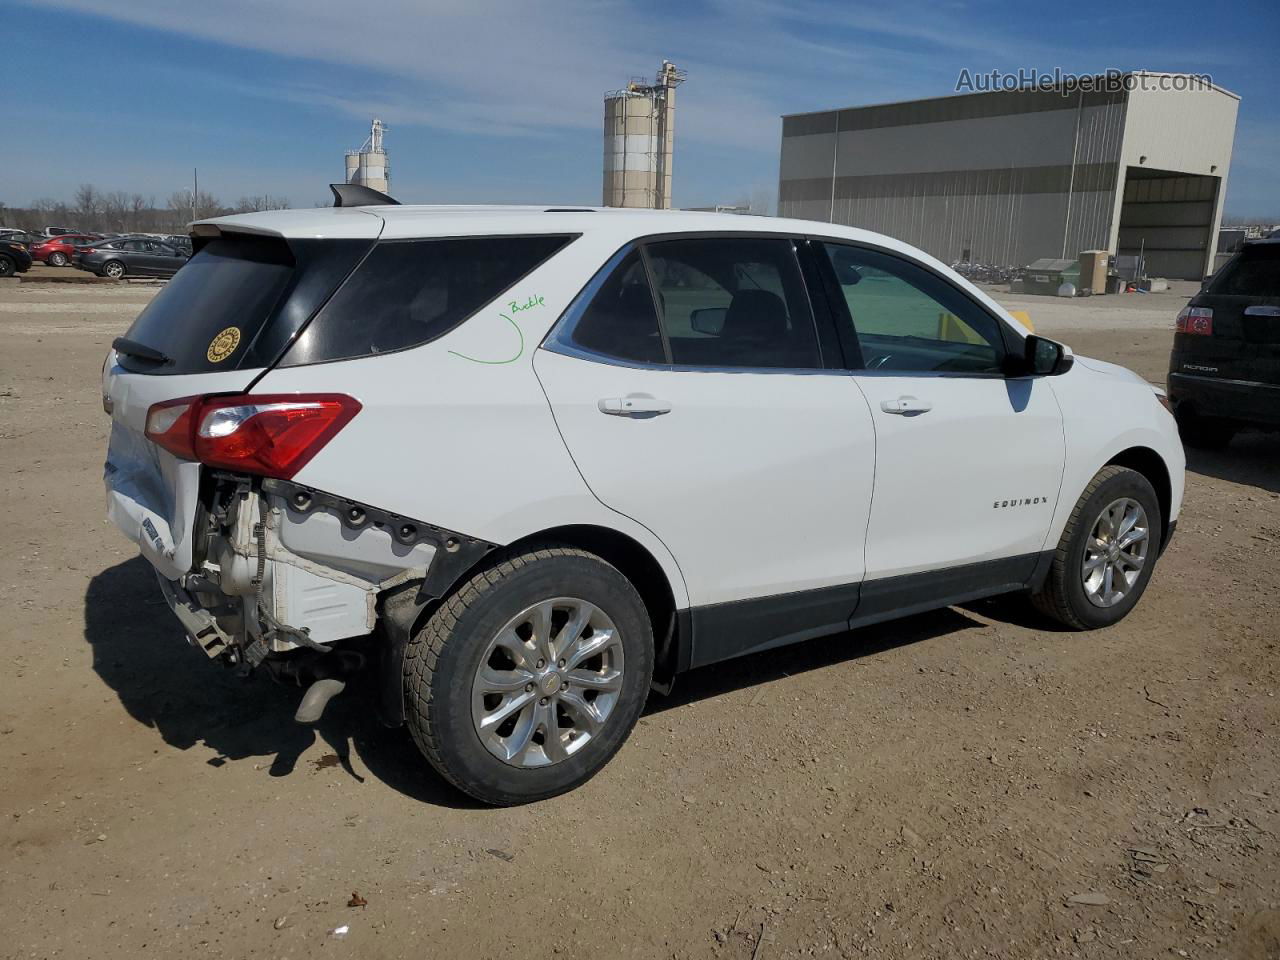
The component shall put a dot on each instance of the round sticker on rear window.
(224, 345)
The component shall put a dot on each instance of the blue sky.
(500, 101)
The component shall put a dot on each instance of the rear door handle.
(906, 406)
(637, 405)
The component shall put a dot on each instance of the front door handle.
(906, 406)
(639, 406)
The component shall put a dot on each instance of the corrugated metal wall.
(1006, 177)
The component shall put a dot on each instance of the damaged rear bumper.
(280, 572)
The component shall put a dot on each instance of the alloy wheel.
(1115, 552)
(547, 682)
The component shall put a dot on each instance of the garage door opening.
(1167, 218)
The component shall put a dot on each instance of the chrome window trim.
(578, 353)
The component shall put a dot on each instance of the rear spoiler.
(358, 195)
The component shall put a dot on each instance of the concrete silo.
(639, 132)
(369, 165)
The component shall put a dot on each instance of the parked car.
(182, 243)
(1224, 371)
(129, 257)
(14, 257)
(526, 465)
(25, 238)
(56, 251)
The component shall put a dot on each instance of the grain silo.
(369, 165)
(639, 132)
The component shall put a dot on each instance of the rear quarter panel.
(458, 432)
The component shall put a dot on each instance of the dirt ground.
(941, 787)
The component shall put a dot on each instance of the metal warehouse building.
(1008, 177)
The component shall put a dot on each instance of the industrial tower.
(639, 133)
(369, 165)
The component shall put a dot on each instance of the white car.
(528, 464)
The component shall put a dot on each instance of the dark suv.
(14, 257)
(1224, 371)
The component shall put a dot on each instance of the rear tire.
(57, 259)
(7, 267)
(1074, 594)
(455, 662)
(113, 269)
(1204, 433)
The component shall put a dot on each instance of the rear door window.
(734, 302)
(409, 292)
(620, 323)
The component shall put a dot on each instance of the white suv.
(528, 463)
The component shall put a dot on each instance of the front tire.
(529, 678)
(7, 267)
(1106, 554)
(113, 269)
(57, 259)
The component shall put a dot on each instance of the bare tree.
(138, 205)
(88, 206)
(199, 207)
(264, 202)
(115, 210)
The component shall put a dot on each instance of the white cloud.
(539, 68)
(499, 66)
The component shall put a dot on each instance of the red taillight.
(89, 250)
(270, 434)
(1197, 321)
(169, 425)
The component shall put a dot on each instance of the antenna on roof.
(358, 195)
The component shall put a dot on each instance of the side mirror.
(1046, 358)
(708, 320)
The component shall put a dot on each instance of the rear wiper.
(140, 350)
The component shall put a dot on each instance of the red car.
(56, 251)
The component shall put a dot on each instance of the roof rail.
(358, 195)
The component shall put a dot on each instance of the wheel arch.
(635, 562)
(671, 624)
(1151, 465)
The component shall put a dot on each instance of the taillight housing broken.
(274, 435)
(1197, 321)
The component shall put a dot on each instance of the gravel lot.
(941, 787)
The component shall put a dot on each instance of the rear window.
(225, 293)
(408, 292)
(1254, 273)
(238, 303)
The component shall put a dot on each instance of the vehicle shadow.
(1251, 458)
(771, 665)
(140, 652)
